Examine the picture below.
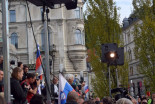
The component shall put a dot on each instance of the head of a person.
(17, 73)
(1, 59)
(83, 95)
(1, 75)
(20, 64)
(144, 100)
(124, 101)
(55, 80)
(72, 97)
(89, 102)
(31, 77)
(70, 78)
(26, 69)
(153, 95)
(80, 100)
(107, 100)
(37, 99)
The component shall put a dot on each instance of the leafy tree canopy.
(102, 26)
(144, 37)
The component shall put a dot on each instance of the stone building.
(135, 79)
(65, 32)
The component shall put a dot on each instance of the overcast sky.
(125, 8)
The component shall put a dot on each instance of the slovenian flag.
(64, 89)
(39, 68)
(86, 89)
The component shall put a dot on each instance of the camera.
(35, 82)
(123, 93)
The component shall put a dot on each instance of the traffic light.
(70, 4)
(112, 55)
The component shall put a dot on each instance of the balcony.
(76, 54)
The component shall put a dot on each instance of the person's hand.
(27, 86)
(38, 82)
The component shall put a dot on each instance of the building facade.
(135, 79)
(65, 31)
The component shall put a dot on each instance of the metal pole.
(5, 32)
(109, 81)
(47, 61)
(117, 77)
(88, 85)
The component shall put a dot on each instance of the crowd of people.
(25, 85)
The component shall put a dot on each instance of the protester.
(123, 101)
(97, 100)
(1, 62)
(25, 69)
(1, 80)
(19, 94)
(70, 79)
(107, 100)
(20, 64)
(37, 99)
(33, 83)
(144, 100)
(89, 102)
(84, 96)
(152, 100)
(54, 90)
(72, 98)
(80, 100)
(12, 65)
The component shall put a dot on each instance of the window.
(79, 38)
(14, 39)
(43, 38)
(41, 11)
(83, 38)
(12, 16)
(130, 55)
(129, 40)
(131, 70)
(77, 12)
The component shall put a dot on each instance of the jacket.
(18, 93)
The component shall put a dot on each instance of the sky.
(125, 8)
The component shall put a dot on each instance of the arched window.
(78, 36)
(14, 39)
(130, 55)
(131, 70)
(43, 38)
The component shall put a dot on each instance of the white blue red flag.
(39, 68)
(64, 89)
(86, 88)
